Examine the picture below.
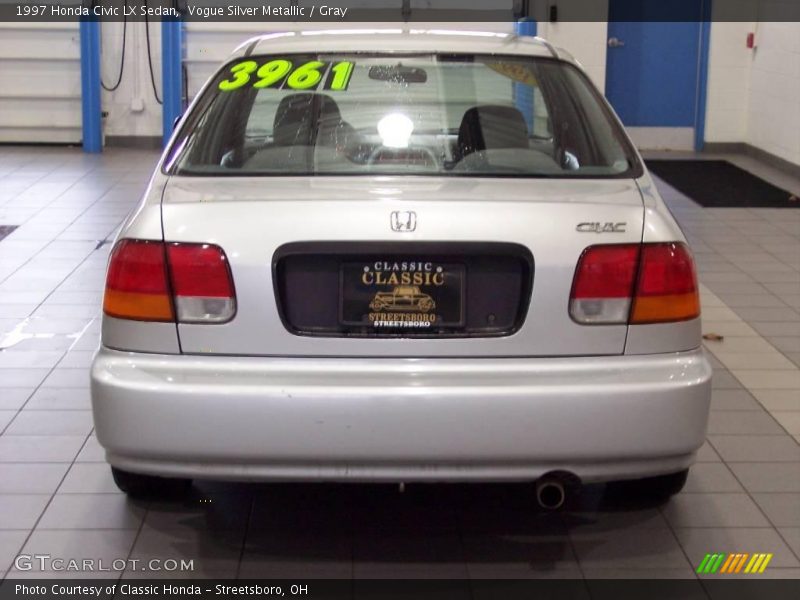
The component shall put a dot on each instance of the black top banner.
(394, 11)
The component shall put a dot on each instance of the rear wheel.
(137, 485)
(661, 487)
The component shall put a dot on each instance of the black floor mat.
(718, 183)
(6, 229)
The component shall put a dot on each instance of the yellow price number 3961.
(277, 72)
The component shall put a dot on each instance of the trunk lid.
(462, 223)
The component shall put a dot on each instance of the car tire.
(661, 487)
(137, 485)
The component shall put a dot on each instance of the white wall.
(132, 109)
(773, 116)
(728, 82)
(586, 41)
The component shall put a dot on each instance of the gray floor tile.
(14, 398)
(6, 416)
(789, 420)
(783, 510)
(91, 511)
(707, 453)
(733, 400)
(20, 359)
(768, 476)
(92, 451)
(16, 378)
(51, 422)
(39, 449)
(631, 549)
(10, 544)
(67, 378)
(732, 422)
(60, 399)
(792, 537)
(39, 478)
(20, 511)
(778, 399)
(756, 448)
(714, 510)
(711, 477)
(724, 380)
(89, 478)
(698, 542)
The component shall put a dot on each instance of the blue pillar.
(525, 26)
(523, 94)
(171, 73)
(91, 111)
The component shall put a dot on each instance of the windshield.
(434, 114)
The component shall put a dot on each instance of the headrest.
(299, 115)
(492, 126)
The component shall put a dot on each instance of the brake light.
(603, 284)
(201, 283)
(136, 284)
(667, 286)
(147, 278)
(637, 284)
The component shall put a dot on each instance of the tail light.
(667, 287)
(201, 283)
(136, 285)
(153, 281)
(633, 283)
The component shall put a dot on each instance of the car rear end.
(312, 290)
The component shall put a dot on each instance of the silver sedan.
(401, 257)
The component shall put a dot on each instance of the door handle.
(615, 43)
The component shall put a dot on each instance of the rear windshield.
(432, 114)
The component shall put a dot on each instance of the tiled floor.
(57, 497)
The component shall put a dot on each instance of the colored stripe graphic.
(732, 560)
(741, 563)
(704, 564)
(721, 562)
(715, 567)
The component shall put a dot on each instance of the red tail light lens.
(667, 287)
(603, 284)
(136, 285)
(146, 278)
(607, 290)
(201, 282)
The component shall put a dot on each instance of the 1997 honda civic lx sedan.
(401, 256)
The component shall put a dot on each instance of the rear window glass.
(433, 114)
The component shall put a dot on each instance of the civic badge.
(403, 221)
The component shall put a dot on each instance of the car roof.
(408, 39)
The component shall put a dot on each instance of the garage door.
(43, 104)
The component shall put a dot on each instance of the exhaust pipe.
(550, 493)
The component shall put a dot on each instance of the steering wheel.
(373, 157)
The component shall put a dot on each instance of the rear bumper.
(601, 418)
